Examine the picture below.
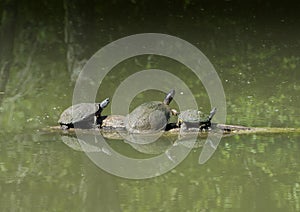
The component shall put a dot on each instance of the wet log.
(221, 129)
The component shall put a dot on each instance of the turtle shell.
(192, 116)
(113, 122)
(83, 112)
(148, 117)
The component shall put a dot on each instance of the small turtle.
(150, 117)
(113, 122)
(83, 115)
(195, 119)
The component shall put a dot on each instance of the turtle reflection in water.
(195, 119)
(150, 117)
(83, 115)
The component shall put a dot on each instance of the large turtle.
(150, 117)
(195, 119)
(83, 115)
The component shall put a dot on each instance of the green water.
(255, 50)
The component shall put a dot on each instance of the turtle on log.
(83, 115)
(195, 119)
(150, 117)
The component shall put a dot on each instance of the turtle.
(150, 117)
(83, 115)
(195, 119)
(113, 122)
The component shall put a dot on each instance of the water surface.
(255, 50)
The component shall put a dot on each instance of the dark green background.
(254, 47)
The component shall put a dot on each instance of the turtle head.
(169, 97)
(212, 113)
(102, 105)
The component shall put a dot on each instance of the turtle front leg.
(64, 127)
(204, 126)
(97, 123)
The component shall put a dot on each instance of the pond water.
(256, 55)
